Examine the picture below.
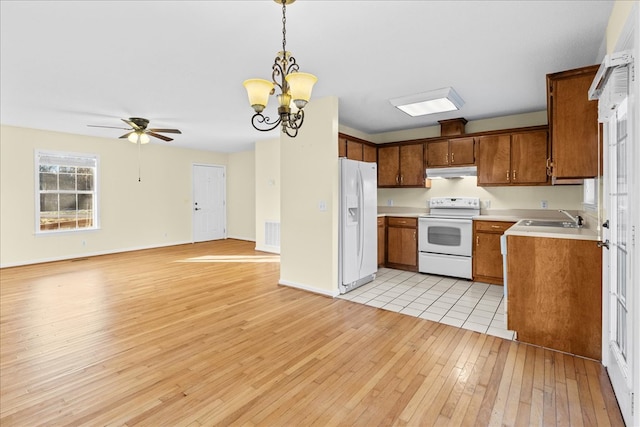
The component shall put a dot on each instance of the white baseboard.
(267, 248)
(248, 239)
(308, 288)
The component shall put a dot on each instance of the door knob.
(606, 224)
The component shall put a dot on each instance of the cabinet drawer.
(492, 226)
(402, 222)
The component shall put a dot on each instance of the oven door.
(446, 236)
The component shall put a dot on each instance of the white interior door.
(617, 260)
(209, 203)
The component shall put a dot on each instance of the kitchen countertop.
(585, 233)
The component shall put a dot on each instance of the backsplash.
(529, 197)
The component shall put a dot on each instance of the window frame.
(38, 154)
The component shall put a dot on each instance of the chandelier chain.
(284, 27)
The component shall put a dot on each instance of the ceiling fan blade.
(110, 127)
(157, 135)
(132, 124)
(165, 130)
(126, 135)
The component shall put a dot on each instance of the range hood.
(455, 172)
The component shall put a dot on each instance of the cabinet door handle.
(507, 175)
(495, 226)
(401, 179)
(414, 236)
(397, 179)
(549, 167)
(446, 158)
(452, 160)
(477, 240)
(514, 175)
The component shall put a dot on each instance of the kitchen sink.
(548, 223)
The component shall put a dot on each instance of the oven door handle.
(447, 220)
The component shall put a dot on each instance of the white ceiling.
(67, 64)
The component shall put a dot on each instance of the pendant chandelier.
(295, 89)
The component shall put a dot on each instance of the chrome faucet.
(576, 219)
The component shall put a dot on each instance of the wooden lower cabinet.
(554, 289)
(402, 243)
(487, 258)
(382, 241)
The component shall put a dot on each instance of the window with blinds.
(66, 191)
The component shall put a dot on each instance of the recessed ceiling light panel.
(436, 101)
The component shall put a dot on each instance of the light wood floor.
(203, 335)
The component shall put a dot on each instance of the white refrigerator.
(358, 252)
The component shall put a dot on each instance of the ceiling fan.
(138, 131)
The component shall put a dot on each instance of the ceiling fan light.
(141, 137)
(258, 91)
(300, 87)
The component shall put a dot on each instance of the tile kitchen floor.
(457, 302)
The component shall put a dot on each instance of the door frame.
(224, 198)
(631, 27)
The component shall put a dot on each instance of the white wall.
(154, 212)
(267, 190)
(309, 175)
(241, 199)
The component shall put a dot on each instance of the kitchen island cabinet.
(402, 243)
(487, 257)
(554, 293)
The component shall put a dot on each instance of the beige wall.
(241, 199)
(267, 190)
(617, 19)
(557, 197)
(153, 212)
(309, 176)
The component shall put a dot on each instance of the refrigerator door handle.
(360, 219)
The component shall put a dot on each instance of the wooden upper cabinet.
(342, 146)
(412, 165)
(369, 153)
(513, 159)
(389, 166)
(494, 160)
(438, 153)
(401, 165)
(573, 123)
(529, 151)
(354, 150)
(452, 152)
(462, 151)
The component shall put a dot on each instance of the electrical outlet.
(487, 204)
(389, 202)
(322, 205)
(544, 204)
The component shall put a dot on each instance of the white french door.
(618, 233)
(209, 210)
